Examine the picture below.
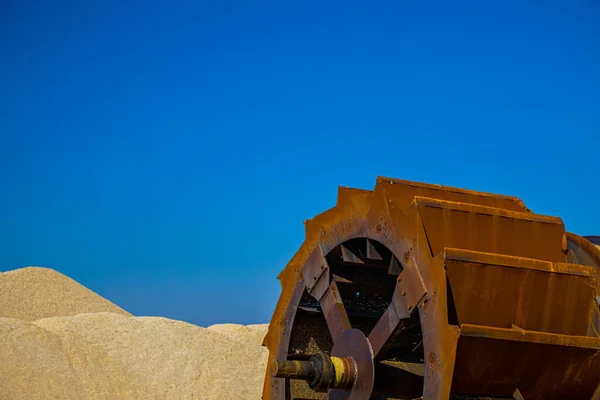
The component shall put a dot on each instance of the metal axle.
(321, 371)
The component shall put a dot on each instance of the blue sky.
(166, 155)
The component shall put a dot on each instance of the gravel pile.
(78, 345)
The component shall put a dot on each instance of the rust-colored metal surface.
(438, 293)
(353, 344)
(527, 360)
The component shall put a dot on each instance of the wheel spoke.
(334, 311)
(390, 319)
(384, 328)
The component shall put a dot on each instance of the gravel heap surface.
(59, 340)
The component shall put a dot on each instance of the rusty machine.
(419, 291)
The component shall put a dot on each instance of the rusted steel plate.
(411, 285)
(383, 329)
(492, 230)
(334, 311)
(390, 319)
(517, 395)
(520, 335)
(494, 362)
(585, 251)
(596, 395)
(594, 239)
(360, 199)
(519, 262)
(349, 256)
(404, 192)
(372, 252)
(501, 291)
(316, 273)
(408, 294)
(353, 343)
(278, 338)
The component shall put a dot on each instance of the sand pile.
(33, 293)
(87, 348)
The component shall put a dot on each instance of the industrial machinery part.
(418, 291)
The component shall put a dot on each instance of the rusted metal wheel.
(422, 291)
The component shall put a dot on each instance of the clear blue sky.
(165, 154)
